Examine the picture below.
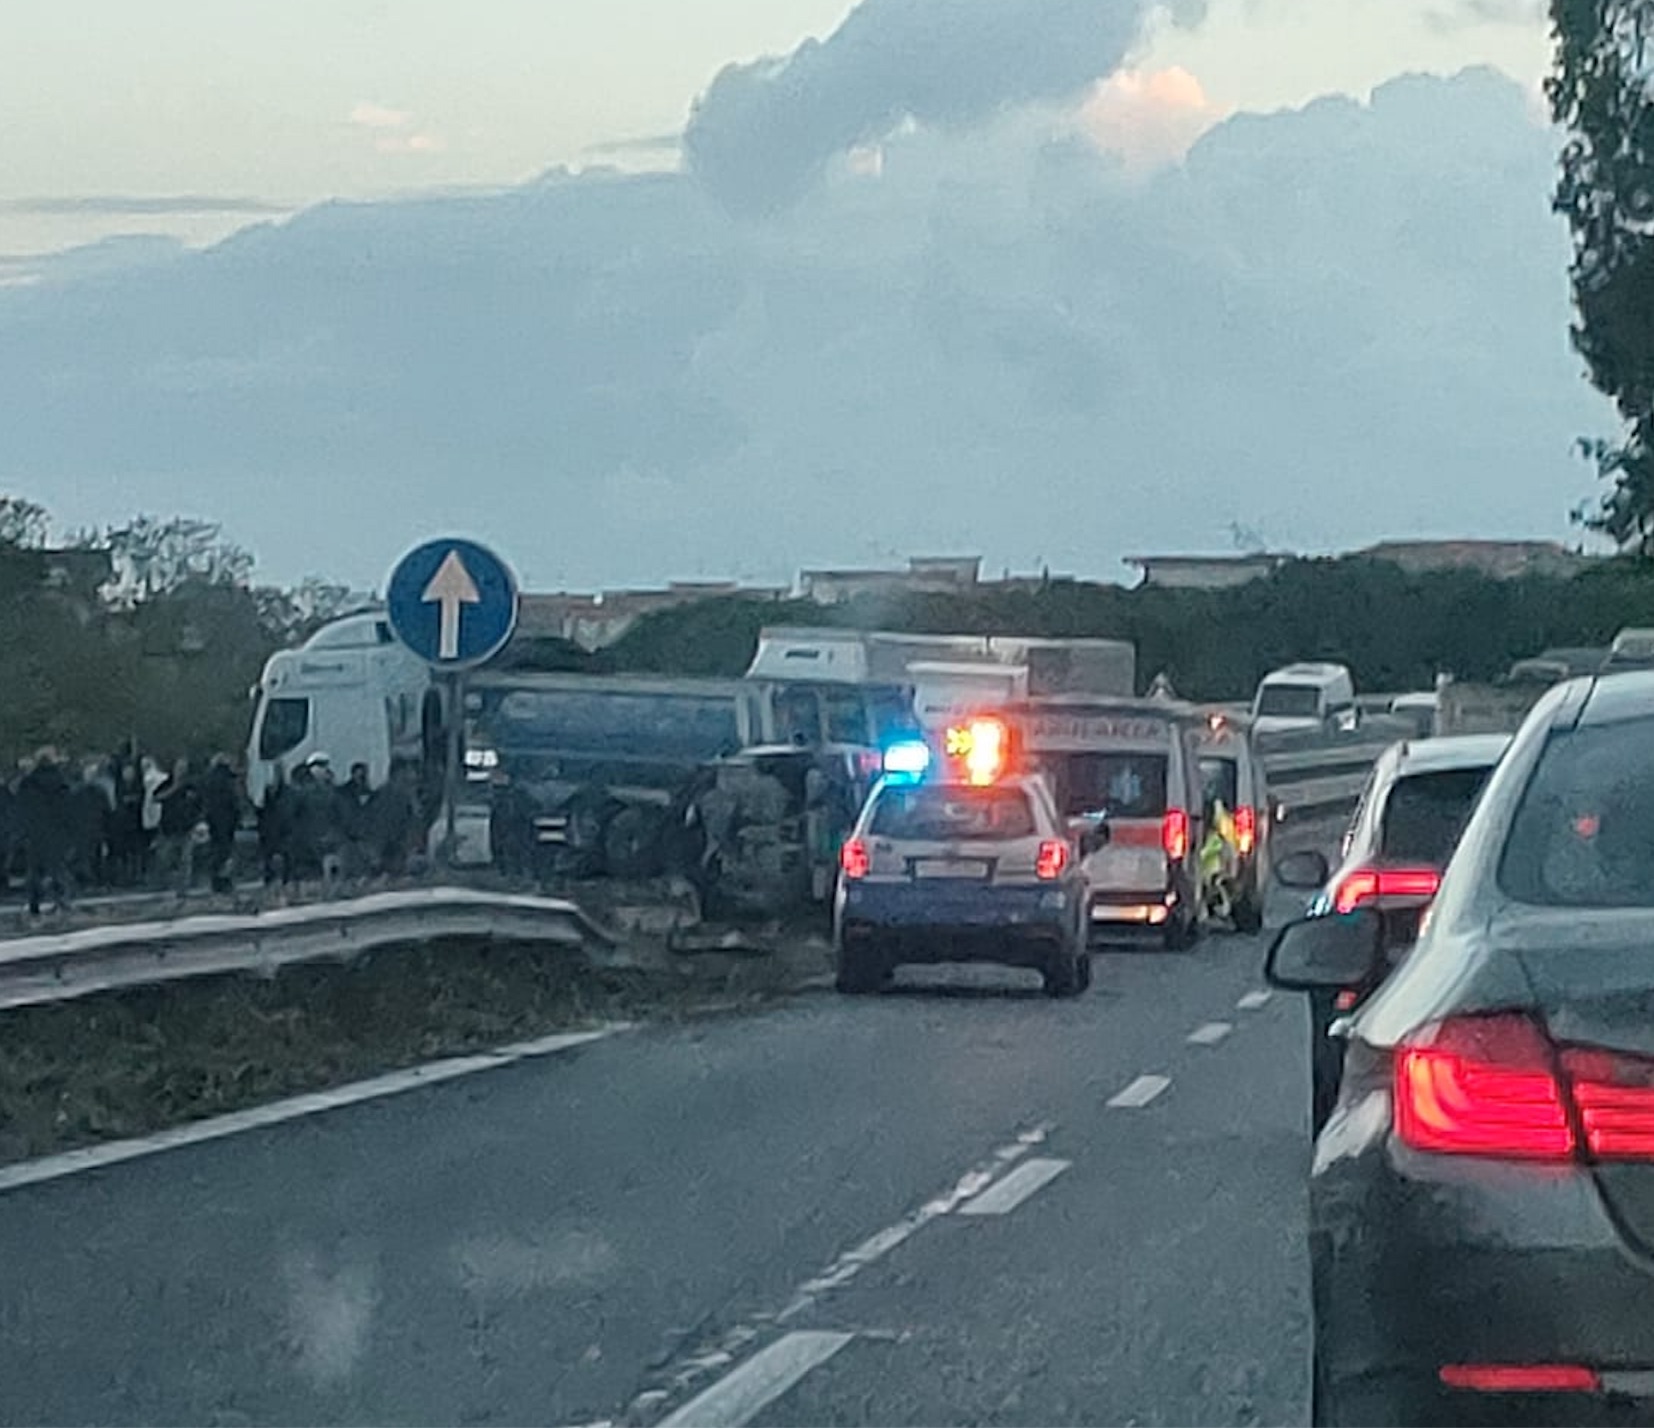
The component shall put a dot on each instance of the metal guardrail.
(61, 966)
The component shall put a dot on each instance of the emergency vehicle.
(961, 855)
(1132, 765)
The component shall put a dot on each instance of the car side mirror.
(1327, 953)
(1305, 870)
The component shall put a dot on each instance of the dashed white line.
(1253, 1000)
(1141, 1091)
(430, 1073)
(740, 1396)
(1210, 1033)
(1005, 1195)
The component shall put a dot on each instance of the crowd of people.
(125, 822)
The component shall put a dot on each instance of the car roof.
(1613, 697)
(1452, 751)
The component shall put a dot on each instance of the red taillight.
(852, 857)
(1246, 829)
(1522, 1378)
(1615, 1096)
(1174, 834)
(1495, 1086)
(1365, 885)
(1052, 859)
(1483, 1086)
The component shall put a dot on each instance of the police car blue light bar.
(909, 759)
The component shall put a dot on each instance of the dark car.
(1482, 1195)
(943, 871)
(1415, 804)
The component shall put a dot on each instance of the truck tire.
(631, 845)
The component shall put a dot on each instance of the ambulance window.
(1119, 785)
(846, 717)
(286, 722)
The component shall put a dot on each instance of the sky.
(640, 290)
(283, 103)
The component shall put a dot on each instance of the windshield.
(944, 813)
(1583, 835)
(1290, 701)
(1426, 812)
(1123, 785)
(286, 722)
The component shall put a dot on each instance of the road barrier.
(60, 966)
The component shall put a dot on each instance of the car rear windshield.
(1220, 781)
(1426, 812)
(1290, 701)
(942, 813)
(1584, 833)
(1119, 785)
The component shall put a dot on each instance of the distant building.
(929, 575)
(1500, 559)
(1204, 572)
(593, 621)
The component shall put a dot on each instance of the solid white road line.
(740, 1396)
(1005, 1195)
(1253, 1000)
(431, 1073)
(1210, 1033)
(1141, 1091)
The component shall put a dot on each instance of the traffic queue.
(1023, 836)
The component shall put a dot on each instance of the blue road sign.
(452, 602)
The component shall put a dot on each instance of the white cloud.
(1148, 117)
(410, 144)
(368, 115)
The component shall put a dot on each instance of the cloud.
(410, 144)
(1324, 323)
(764, 133)
(644, 144)
(368, 115)
(1459, 14)
(117, 205)
(1148, 117)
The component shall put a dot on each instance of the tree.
(23, 523)
(1600, 90)
(155, 557)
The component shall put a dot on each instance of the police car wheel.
(861, 969)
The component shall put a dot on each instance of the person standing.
(221, 810)
(180, 801)
(46, 816)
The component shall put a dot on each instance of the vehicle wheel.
(1181, 932)
(1249, 915)
(861, 968)
(1359, 1403)
(631, 845)
(1086, 970)
(1063, 974)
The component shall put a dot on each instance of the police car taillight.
(853, 859)
(1052, 859)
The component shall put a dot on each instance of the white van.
(350, 691)
(1134, 765)
(1305, 697)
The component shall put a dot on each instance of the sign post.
(454, 604)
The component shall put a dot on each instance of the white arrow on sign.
(451, 587)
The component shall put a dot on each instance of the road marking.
(431, 1073)
(1253, 1000)
(1141, 1091)
(1005, 1195)
(1210, 1033)
(697, 1360)
(740, 1396)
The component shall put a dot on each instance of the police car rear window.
(938, 813)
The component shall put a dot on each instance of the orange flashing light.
(981, 748)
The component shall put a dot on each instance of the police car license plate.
(950, 868)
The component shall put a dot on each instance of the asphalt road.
(914, 1209)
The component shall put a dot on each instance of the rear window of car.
(1583, 835)
(1426, 812)
(1290, 701)
(1108, 784)
(943, 813)
(1220, 781)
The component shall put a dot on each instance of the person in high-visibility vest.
(1218, 856)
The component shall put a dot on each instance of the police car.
(961, 856)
